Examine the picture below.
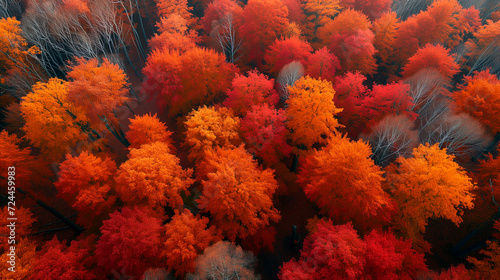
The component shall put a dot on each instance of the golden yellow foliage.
(51, 122)
(310, 112)
(152, 176)
(428, 185)
(208, 128)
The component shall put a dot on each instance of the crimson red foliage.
(130, 242)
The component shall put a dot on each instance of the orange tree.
(428, 185)
(237, 192)
(346, 184)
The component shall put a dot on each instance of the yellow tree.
(237, 192)
(152, 176)
(310, 112)
(428, 185)
(319, 13)
(52, 123)
(208, 128)
(13, 47)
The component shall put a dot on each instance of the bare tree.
(406, 8)
(10, 8)
(425, 86)
(287, 77)
(225, 36)
(62, 34)
(224, 261)
(391, 138)
(460, 134)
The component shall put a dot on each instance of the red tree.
(349, 37)
(373, 8)
(250, 90)
(185, 81)
(86, 183)
(261, 23)
(432, 56)
(264, 131)
(58, 261)
(130, 242)
(337, 252)
(284, 51)
(384, 100)
(322, 64)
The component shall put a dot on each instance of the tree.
(444, 22)
(147, 129)
(261, 23)
(227, 39)
(295, 11)
(208, 128)
(58, 261)
(287, 77)
(426, 87)
(24, 221)
(170, 75)
(52, 123)
(224, 261)
(349, 93)
(428, 185)
(319, 13)
(480, 96)
(346, 184)
(174, 34)
(434, 57)
(456, 272)
(322, 65)
(11, 154)
(386, 99)
(484, 49)
(220, 23)
(97, 88)
(349, 37)
(186, 237)
(310, 112)
(14, 51)
(236, 192)
(488, 176)
(130, 242)
(264, 131)
(180, 7)
(385, 28)
(337, 252)
(284, 51)
(460, 134)
(153, 177)
(487, 267)
(253, 89)
(388, 257)
(25, 259)
(391, 138)
(86, 183)
(374, 9)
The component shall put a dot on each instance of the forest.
(249, 139)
